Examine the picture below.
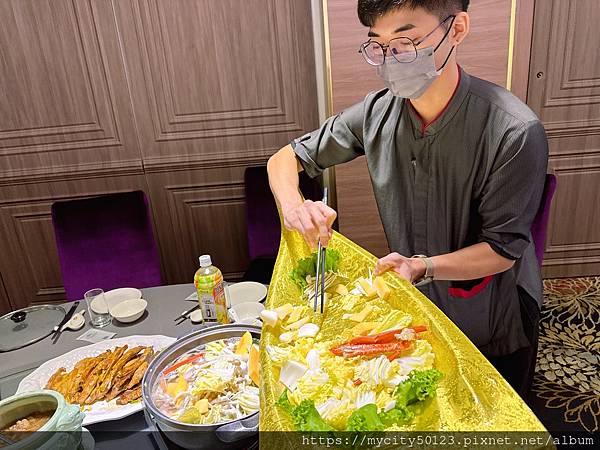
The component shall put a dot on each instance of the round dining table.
(165, 303)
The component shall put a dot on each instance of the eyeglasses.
(403, 49)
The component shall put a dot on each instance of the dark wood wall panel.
(208, 98)
(564, 90)
(65, 108)
(4, 299)
(200, 212)
(175, 98)
(483, 54)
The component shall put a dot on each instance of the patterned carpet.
(566, 389)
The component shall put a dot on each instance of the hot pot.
(227, 435)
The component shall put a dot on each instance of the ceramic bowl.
(66, 417)
(245, 312)
(246, 292)
(116, 296)
(129, 310)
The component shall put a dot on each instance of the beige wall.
(484, 54)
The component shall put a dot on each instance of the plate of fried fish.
(104, 379)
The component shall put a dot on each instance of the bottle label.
(207, 305)
(220, 304)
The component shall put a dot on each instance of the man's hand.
(410, 269)
(312, 219)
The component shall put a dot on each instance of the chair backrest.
(262, 218)
(106, 242)
(539, 226)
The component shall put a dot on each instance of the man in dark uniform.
(457, 166)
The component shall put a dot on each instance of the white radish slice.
(308, 330)
(312, 359)
(290, 373)
(286, 338)
(269, 317)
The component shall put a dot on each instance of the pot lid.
(28, 325)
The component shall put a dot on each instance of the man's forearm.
(470, 263)
(283, 168)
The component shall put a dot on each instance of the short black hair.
(370, 10)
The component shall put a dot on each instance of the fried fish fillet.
(56, 378)
(114, 373)
(129, 370)
(129, 396)
(138, 375)
(135, 370)
(78, 377)
(85, 398)
(96, 393)
(104, 385)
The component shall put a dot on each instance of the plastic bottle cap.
(205, 261)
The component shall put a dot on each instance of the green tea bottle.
(211, 296)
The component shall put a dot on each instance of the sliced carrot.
(357, 382)
(183, 363)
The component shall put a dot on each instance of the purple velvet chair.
(262, 219)
(539, 227)
(106, 242)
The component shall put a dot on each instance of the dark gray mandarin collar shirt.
(476, 174)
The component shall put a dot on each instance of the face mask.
(411, 80)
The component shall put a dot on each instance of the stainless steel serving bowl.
(228, 435)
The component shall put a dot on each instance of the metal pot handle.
(240, 429)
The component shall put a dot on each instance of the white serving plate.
(99, 411)
(246, 291)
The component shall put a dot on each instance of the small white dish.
(247, 311)
(129, 310)
(246, 292)
(76, 322)
(196, 316)
(116, 296)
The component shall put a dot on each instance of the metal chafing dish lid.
(28, 325)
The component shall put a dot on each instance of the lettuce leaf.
(421, 384)
(399, 414)
(307, 418)
(284, 403)
(365, 419)
(308, 266)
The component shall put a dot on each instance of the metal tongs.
(320, 272)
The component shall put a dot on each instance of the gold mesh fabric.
(472, 395)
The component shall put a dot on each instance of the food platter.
(100, 411)
(351, 377)
(372, 375)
